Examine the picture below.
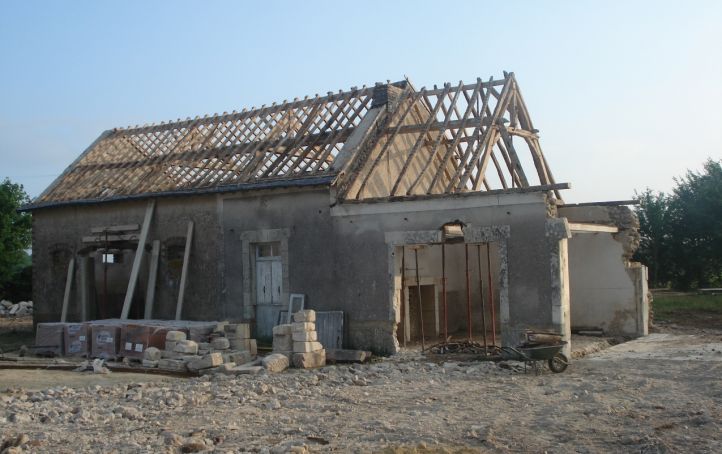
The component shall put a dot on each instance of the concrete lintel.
(413, 237)
(440, 204)
(486, 234)
(585, 227)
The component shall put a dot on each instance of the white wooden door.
(269, 279)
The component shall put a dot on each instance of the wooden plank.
(68, 287)
(84, 268)
(184, 272)
(585, 227)
(152, 277)
(137, 260)
(100, 238)
(115, 228)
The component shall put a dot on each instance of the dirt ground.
(662, 393)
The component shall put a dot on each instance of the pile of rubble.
(21, 309)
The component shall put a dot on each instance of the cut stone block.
(306, 336)
(275, 362)
(238, 330)
(239, 357)
(305, 347)
(309, 360)
(253, 347)
(150, 363)
(282, 329)
(172, 364)
(246, 370)
(170, 345)
(204, 345)
(206, 362)
(220, 327)
(282, 342)
(287, 353)
(240, 344)
(167, 354)
(347, 356)
(308, 315)
(220, 343)
(151, 354)
(186, 346)
(175, 336)
(303, 326)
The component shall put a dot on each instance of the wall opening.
(460, 288)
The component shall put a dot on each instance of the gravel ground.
(658, 394)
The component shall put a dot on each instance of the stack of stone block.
(307, 350)
(217, 355)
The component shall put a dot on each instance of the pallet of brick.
(105, 340)
(76, 338)
(135, 338)
(307, 350)
(49, 339)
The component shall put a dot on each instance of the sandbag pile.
(21, 309)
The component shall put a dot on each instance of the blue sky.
(626, 95)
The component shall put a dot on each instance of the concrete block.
(238, 330)
(175, 365)
(175, 336)
(220, 343)
(151, 354)
(300, 327)
(306, 336)
(309, 360)
(187, 347)
(347, 356)
(282, 342)
(308, 315)
(305, 347)
(206, 362)
(282, 329)
(275, 362)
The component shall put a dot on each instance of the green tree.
(695, 218)
(654, 245)
(15, 232)
(682, 232)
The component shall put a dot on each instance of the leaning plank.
(68, 287)
(85, 269)
(152, 276)
(184, 273)
(137, 260)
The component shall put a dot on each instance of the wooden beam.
(68, 286)
(585, 227)
(85, 270)
(137, 260)
(152, 277)
(115, 228)
(101, 238)
(184, 273)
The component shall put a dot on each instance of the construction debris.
(20, 309)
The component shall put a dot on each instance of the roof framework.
(467, 137)
(290, 140)
(453, 139)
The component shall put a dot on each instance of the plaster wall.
(608, 292)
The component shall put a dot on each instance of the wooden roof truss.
(468, 130)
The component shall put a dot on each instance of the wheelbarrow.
(531, 353)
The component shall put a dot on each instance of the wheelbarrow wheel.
(558, 363)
